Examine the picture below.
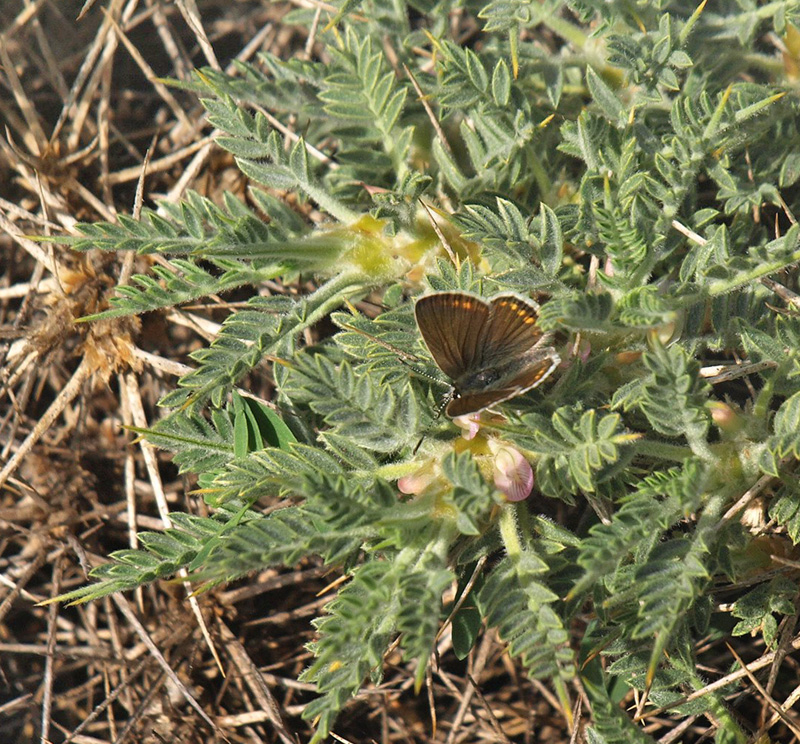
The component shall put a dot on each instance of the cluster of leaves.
(634, 180)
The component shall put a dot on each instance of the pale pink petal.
(416, 482)
(513, 474)
(725, 417)
(470, 423)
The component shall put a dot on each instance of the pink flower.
(470, 423)
(417, 482)
(725, 417)
(513, 474)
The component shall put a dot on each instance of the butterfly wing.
(489, 349)
(510, 362)
(453, 326)
(512, 329)
(538, 367)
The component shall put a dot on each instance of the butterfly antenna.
(404, 357)
(447, 398)
(439, 409)
(440, 235)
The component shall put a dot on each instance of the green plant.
(633, 180)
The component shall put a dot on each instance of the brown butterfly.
(492, 350)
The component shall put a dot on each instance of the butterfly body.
(492, 350)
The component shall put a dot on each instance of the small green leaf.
(501, 83)
(554, 82)
(270, 426)
(605, 98)
(241, 430)
(790, 170)
(450, 169)
(467, 623)
(552, 241)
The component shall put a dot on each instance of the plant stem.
(508, 531)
